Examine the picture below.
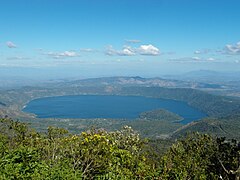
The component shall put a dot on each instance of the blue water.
(92, 106)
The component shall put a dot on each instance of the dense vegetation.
(223, 127)
(160, 114)
(57, 154)
(215, 106)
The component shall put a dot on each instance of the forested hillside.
(212, 105)
(225, 126)
(57, 154)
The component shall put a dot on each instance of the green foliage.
(60, 155)
(55, 132)
(189, 158)
(199, 156)
(227, 158)
(26, 154)
(160, 114)
(220, 127)
(22, 163)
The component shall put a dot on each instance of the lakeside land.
(220, 109)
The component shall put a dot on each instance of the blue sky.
(88, 38)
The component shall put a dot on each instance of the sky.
(91, 38)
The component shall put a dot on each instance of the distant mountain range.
(139, 81)
(207, 76)
(19, 77)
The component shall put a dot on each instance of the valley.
(156, 124)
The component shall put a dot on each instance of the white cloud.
(10, 44)
(196, 58)
(110, 51)
(132, 41)
(197, 52)
(237, 61)
(64, 54)
(210, 59)
(203, 59)
(203, 51)
(126, 51)
(233, 49)
(148, 50)
(68, 54)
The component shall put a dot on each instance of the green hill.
(220, 127)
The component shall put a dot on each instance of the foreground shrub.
(98, 154)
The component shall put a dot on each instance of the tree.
(189, 158)
(227, 159)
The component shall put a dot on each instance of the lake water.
(93, 106)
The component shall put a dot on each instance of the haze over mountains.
(208, 76)
(18, 77)
(222, 83)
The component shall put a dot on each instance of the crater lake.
(107, 106)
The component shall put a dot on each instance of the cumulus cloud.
(64, 54)
(110, 51)
(196, 58)
(197, 52)
(233, 49)
(126, 51)
(10, 44)
(149, 50)
(210, 59)
(68, 54)
(203, 51)
(203, 59)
